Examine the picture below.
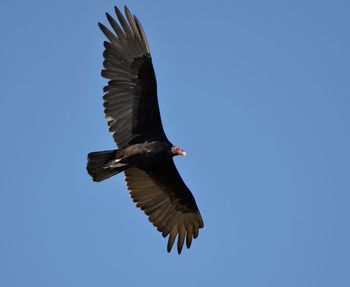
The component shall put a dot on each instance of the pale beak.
(184, 153)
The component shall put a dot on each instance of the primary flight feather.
(145, 154)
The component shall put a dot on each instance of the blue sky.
(257, 93)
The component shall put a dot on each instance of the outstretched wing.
(166, 200)
(130, 100)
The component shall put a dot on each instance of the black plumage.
(145, 154)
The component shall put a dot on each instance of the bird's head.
(175, 150)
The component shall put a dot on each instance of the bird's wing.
(161, 193)
(130, 99)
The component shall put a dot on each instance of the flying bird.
(144, 152)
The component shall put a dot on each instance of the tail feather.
(99, 166)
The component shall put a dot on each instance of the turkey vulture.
(145, 154)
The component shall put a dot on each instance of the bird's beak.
(184, 153)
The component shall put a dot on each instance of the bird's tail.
(104, 164)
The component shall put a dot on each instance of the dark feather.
(169, 203)
(129, 68)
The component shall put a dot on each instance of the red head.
(178, 151)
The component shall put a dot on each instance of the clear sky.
(257, 93)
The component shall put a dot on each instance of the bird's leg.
(114, 164)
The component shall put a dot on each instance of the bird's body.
(145, 154)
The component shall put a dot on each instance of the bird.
(143, 153)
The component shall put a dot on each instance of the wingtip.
(127, 11)
(171, 242)
(102, 27)
(116, 9)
